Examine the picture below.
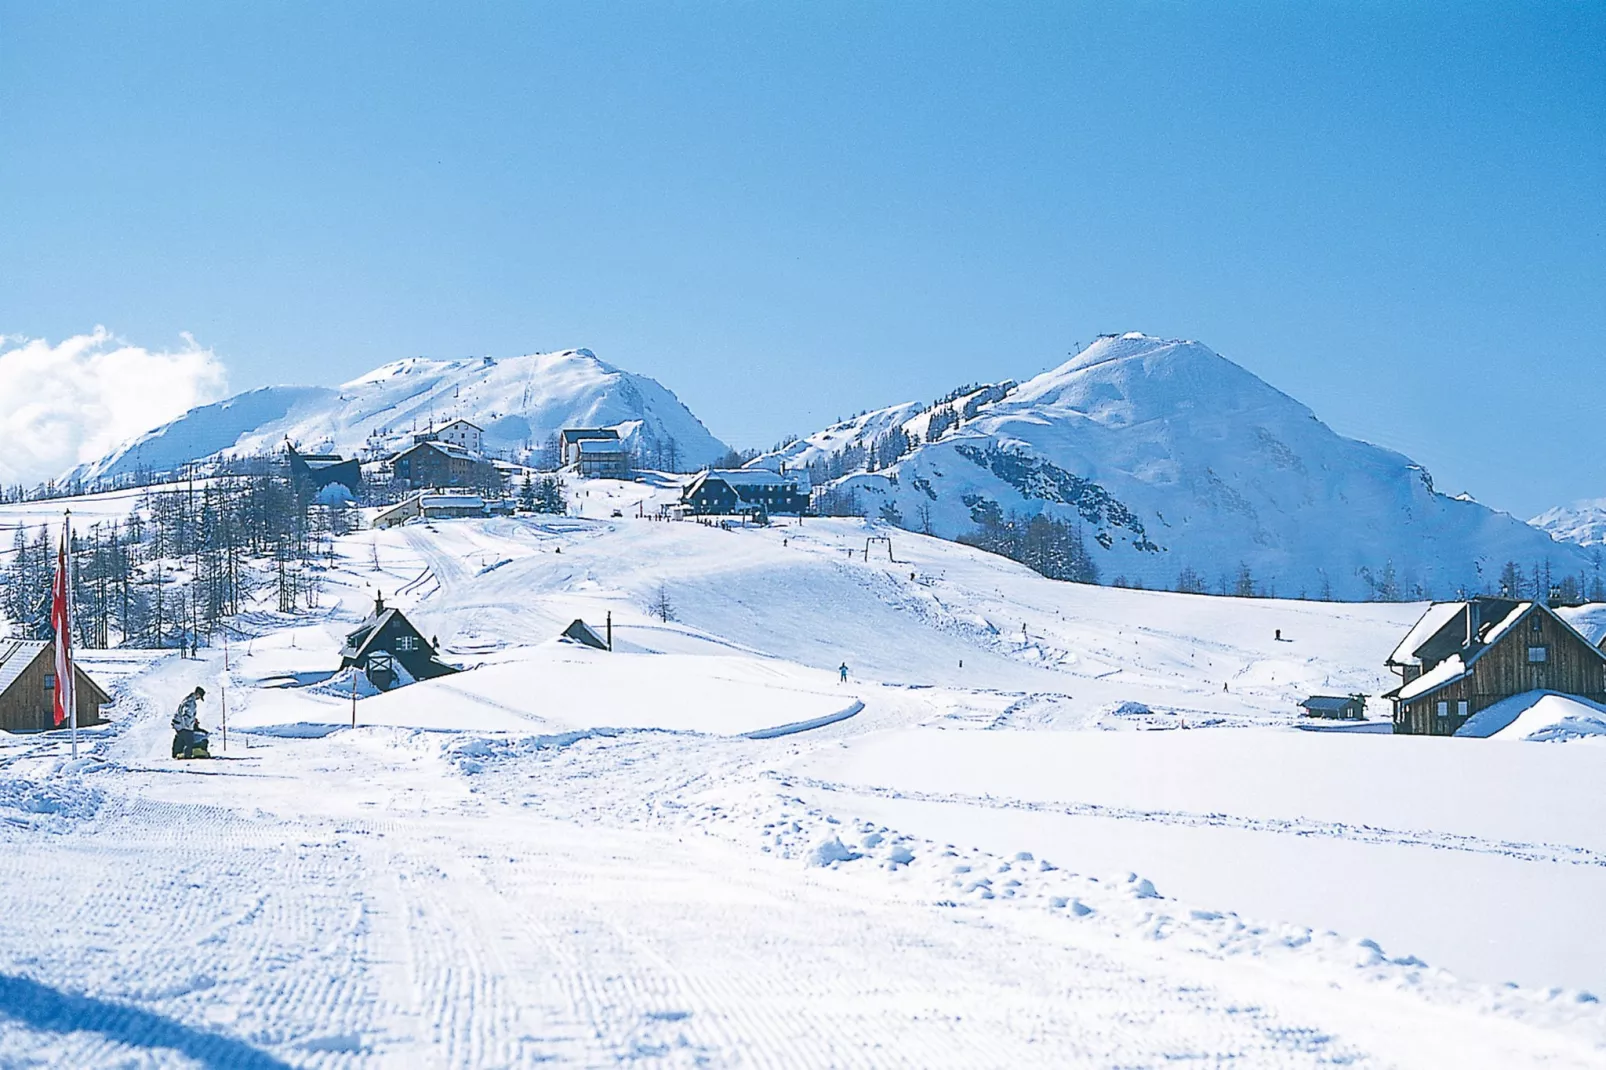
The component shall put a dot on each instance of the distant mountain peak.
(520, 402)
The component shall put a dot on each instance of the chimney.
(379, 603)
(1474, 621)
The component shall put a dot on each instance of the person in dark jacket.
(186, 723)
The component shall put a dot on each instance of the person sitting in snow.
(186, 723)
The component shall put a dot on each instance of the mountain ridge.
(1206, 469)
(519, 402)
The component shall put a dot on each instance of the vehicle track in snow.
(1297, 826)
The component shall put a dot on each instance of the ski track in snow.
(600, 897)
(1441, 841)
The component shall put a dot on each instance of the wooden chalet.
(444, 464)
(390, 651)
(756, 491)
(1462, 657)
(28, 688)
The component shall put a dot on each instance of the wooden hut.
(1336, 707)
(28, 688)
(387, 642)
(1461, 657)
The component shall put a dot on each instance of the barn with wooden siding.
(28, 688)
(1462, 657)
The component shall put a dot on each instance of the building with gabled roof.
(469, 436)
(569, 440)
(390, 651)
(1336, 707)
(444, 464)
(760, 491)
(28, 688)
(1462, 657)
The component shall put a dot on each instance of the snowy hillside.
(1039, 824)
(519, 401)
(1174, 458)
(1582, 522)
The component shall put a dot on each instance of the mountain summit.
(1178, 465)
(519, 402)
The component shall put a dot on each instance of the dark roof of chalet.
(359, 640)
(17, 654)
(449, 449)
(1448, 643)
(460, 420)
(738, 478)
(581, 632)
(1329, 702)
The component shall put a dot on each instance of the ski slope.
(1040, 824)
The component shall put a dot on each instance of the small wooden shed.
(28, 688)
(1336, 707)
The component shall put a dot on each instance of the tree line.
(184, 559)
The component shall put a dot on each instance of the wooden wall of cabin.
(1571, 666)
(29, 706)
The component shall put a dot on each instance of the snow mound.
(1538, 717)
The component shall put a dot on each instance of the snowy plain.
(1046, 825)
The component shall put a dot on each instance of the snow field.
(574, 858)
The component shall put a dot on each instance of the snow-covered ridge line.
(1231, 486)
(519, 402)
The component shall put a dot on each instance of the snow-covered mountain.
(1582, 522)
(1173, 457)
(519, 402)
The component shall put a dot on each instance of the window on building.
(1461, 708)
(1444, 709)
(1536, 624)
(1538, 654)
(50, 681)
(406, 642)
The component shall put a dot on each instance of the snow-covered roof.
(605, 447)
(1587, 620)
(465, 423)
(1443, 674)
(1438, 615)
(15, 657)
(450, 449)
(1327, 702)
(450, 501)
(757, 477)
(1458, 665)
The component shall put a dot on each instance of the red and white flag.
(61, 624)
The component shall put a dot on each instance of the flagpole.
(71, 690)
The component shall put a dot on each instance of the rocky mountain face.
(1182, 470)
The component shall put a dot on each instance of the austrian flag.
(61, 624)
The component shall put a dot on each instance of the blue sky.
(787, 213)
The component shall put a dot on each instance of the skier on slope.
(188, 737)
(843, 670)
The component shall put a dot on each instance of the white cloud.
(66, 404)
